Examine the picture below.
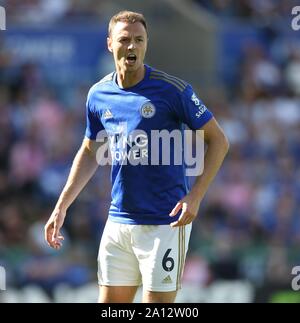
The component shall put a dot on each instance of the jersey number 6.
(168, 262)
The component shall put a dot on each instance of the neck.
(128, 79)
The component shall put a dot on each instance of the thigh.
(117, 263)
(161, 252)
(159, 297)
(117, 294)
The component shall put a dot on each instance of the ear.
(109, 44)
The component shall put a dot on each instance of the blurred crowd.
(255, 10)
(41, 129)
(248, 225)
(55, 11)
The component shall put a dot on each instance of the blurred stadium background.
(242, 57)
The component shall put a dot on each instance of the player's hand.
(189, 207)
(52, 229)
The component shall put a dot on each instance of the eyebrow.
(125, 36)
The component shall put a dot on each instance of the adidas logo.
(167, 280)
(107, 114)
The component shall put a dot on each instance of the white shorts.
(152, 255)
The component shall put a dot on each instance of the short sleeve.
(93, 122)
(191, 110)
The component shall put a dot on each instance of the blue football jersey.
(144, 188)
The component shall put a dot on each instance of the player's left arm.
(217, 148)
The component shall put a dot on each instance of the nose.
(131, 45)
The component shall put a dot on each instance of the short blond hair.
(126, 16)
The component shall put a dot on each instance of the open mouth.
(131, 58)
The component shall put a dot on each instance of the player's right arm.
(83, 168)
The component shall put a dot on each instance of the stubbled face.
(128, 43)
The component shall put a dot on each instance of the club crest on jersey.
(148, 110)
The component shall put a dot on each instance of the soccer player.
(146, 236)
